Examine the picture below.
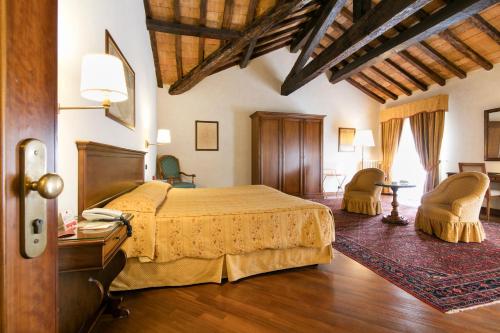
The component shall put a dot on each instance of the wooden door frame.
(28, 109)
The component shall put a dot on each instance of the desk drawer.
(113, 242)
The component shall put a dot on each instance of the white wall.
(231, 96)
(82, 26)
(463, 139)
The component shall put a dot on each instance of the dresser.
(88, 263)
(287, 152)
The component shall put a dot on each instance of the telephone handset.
(105, 214)
(102, 214)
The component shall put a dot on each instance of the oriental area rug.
(450, 277)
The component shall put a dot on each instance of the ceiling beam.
(203, 22)
(191, 30)
(453, 13)
(485, 27)
(419, 84)
(223, 54)
(154, 47)
(442, 60)
(366, 90)
(390, 79)
(384, 16)
(359, 8)
(327, 15)
(178, 41)
(252, 10)
(422, 67)
(465, 49)
(378, 85)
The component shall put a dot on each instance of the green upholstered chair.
(169, 170)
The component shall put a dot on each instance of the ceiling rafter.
(465, 49)
(256, 29)
(154, 47)
(382, 17)
(377, 85)
(252, 9)
(407, 75)
(422, 67)
(202, 23)
(191, 30)
(359, 8)
(390, 79)
(455, 12)
(367, 91)
(178, 41)
(485, 27)
(328, 13)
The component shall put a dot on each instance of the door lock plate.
(33, 166)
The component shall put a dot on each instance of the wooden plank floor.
(341, 297)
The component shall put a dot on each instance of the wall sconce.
(162, 138)
(102, 80)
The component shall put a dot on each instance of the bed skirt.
(188, 271)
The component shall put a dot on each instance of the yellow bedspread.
(209, 223)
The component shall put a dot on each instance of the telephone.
(105, 214)
(102, 214)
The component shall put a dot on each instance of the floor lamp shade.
(364, 138)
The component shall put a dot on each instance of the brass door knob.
(48, 186)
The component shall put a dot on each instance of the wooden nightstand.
(88, 263)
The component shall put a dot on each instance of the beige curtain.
(427, 129)
(391, 134)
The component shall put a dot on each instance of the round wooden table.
(394, 217)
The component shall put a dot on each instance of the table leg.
(394, 217)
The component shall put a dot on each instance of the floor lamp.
(364, 138)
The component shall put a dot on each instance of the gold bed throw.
(210, 223)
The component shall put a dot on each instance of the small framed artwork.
(346, 139)
(207, 135)
(122, 112)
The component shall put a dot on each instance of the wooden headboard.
(106, 172)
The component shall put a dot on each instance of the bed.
(190, 236)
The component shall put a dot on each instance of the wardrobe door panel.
(292, 153)
(270, 152)
(313, 161)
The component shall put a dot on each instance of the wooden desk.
(88, 263)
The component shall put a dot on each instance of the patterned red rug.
(450, 277)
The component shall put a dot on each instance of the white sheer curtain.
(407, 166)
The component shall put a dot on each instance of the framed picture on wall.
(207, 135)
(346, 139)
(122, 112)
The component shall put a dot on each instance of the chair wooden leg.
(488, 209)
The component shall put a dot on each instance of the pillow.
(146, 197)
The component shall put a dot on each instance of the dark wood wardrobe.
(287, 152)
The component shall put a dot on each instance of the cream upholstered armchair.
(451, 210)
(361, 195)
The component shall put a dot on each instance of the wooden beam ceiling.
(454, 12)
(259, 27)
(384, 16)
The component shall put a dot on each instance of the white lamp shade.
(163, 136)
(364, 138)
(103, 78)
